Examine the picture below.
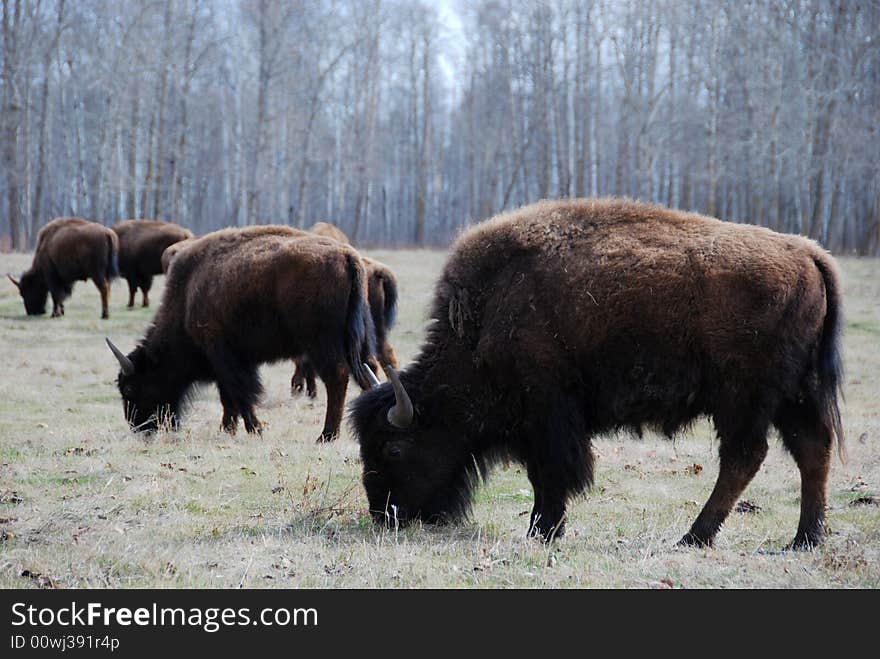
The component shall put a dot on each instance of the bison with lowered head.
(238, 298)
(141, 244)
(69, 249)
(382, 295)
(567, 319)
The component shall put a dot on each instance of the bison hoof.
(325, 437)
(805, 541)
(547, 534)
(691, 539)
(254, 427)
(312, 393)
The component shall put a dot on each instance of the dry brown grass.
(83, 502)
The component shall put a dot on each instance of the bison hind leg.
(335, 378)
(742, 431)
(132, 291)
(807, 435)
(145, 283)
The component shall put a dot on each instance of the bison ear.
(14, 281)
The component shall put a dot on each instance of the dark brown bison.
(238, 298)
(69, 249)
(171, 251)
(141, 244)
(382, 287)
(567, 319)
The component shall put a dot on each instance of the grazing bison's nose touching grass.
(566, 319)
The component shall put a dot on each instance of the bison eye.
(393, 451)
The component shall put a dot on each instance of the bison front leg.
(547, 520)
(741, 457)
(336, 382)
(303, 379)
(240, 388)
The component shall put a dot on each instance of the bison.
(171, 251)
(238, 298)
(329, 231)
(566, 319)
(382, 287)
(69, 249)
(141, 244)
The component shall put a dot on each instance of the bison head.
(34, 291)
(415, 466)
(147, 400)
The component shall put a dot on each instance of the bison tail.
(829, 361)
(360, 335)
(113, 256)
(389, 287)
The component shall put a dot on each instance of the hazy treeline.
(403, 121)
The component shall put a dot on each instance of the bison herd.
(550, 325)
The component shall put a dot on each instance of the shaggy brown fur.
(170, 252)
(141, 244)
(329, 231)
(382, 286)
(238, 298)
(566, 319)
(69, 249)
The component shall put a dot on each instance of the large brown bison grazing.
(382, 288)
(567, 319)
(141, 244)
(238, 298)
(69, 249)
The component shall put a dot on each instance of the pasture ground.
(83, 502)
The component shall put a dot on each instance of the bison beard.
(238, 298)
(567, 319)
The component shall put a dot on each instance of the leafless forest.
(402, 121)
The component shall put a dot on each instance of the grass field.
(83, 502)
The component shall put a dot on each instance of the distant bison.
(69, 249)
(382, 287)
(567, 319)
(141, 244)
(238, 298)
(329, 231)
(171, 251)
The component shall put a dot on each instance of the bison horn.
(124, 362)
(401, 415)
(374, 381)
(14, 281)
